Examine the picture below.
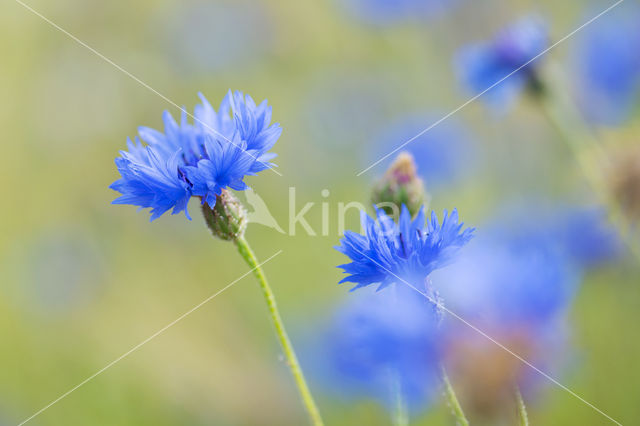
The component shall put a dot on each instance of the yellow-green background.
(83, 281)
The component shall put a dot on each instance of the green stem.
(522, 409)
(452, 400)
(400, 414)
(562, 116)
(292, 361)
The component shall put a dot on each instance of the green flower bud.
(228, 218)
(400, 185)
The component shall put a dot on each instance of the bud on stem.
(400, 185)
(227, 219)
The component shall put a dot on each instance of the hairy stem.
(400, 410)
(523, 419)
(452, 400)
(292, 361)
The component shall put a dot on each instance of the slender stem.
(561, 114)
(292, 361)
(400, 412)
(522, 409)
(452, 400)
(577, 137)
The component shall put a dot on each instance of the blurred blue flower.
(341, 105)
(582, 235)
(443, 154)
(516, 288)
(203, 36)
(506, 283)
(524, 268)
(63, 270)
(608, 63)
(379, 344)
(482, 65)
(199, 159)
(386, 12)
(409, 251)
(586, 235)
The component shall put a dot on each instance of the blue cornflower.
(385, 12)
(199, 159)
(608, 63)
(377, 345)
(517, 290)
(195, 34)
(484, 64)
(151, 179)
(409, 251)
(504, 283)
(588, 236)
(581, 235)
(524, 270)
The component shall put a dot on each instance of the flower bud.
(400, 185)
(624, 181)
(228, 218)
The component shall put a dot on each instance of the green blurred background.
(84, 281)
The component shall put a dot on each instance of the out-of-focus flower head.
(197, 35)
(608, 65)
(517, 290)
(588, 237)
(62, 270)
(482, 65)
(506, 283)
(379, 343)
(581, 235)
(199, 159)
(407, 251)
(443, 154)
(387, 12)
(340, 106)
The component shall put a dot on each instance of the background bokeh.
(83, 281)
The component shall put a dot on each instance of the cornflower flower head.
(407, 251)
(482, 65)
(608, 66)
(518, 291)
(202, 159)
(194, 36)
(377, 345)
(589, 238)
(579, 234)
(506, 283)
